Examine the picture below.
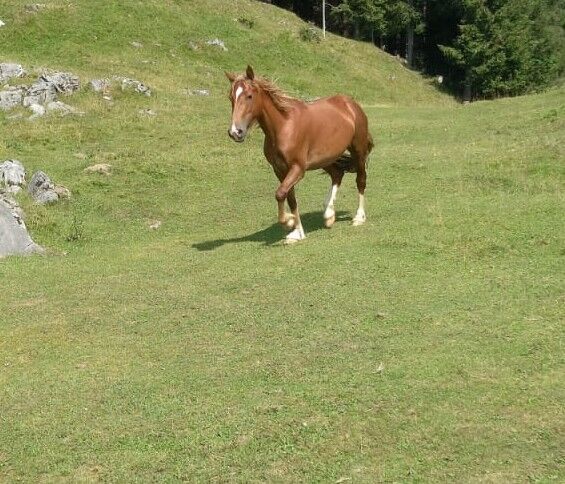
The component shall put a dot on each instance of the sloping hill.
(94, 39)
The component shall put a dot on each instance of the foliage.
(494, 47)
(310, 33)
(249, 23)
(501, 49)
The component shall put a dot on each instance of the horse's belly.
(325, 156)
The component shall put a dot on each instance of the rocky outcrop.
(217, 43)
(40, 92)
(63, 82)
(137, 86)
(9, 70)
(12, 176)
(11, 97)
(14, 238)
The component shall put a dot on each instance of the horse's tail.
(370, 146)
(345, 162)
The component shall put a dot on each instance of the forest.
(480, 48)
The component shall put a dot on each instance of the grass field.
(425, 346)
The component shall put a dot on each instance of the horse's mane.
(282, 101)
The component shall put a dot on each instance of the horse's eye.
(249, 96)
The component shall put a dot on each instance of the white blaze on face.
(238, 92)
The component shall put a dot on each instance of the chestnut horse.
(302, 136)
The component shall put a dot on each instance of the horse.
(330, 133)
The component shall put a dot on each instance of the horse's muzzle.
(238, 136)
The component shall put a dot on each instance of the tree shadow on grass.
(273, 234)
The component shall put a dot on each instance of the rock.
(101, 168)
(37, 109)
(218, 43)
(14, 238)
(64, 82)
(42, 189)
(63, 109)
(2, 23)
(197, 92)
(99, 85)
(12, 176)
(34, 7)
(62, 192)
(137, 86)
(11, 97)
(147, 112)
(137, 45)
(40, 92)
(9, 70)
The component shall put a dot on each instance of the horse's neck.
(271, 119)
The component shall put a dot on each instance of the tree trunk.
(410, 46)
(468, 86)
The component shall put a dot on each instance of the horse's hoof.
(328, 222)
(290, 241)
(295, 236)
(289, 222)
(358, 221)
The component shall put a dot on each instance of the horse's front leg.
(285, 219)
(286, 192)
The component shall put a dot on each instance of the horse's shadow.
(273, 234)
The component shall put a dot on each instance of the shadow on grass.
(274, 234)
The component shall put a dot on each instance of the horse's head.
(245, 102)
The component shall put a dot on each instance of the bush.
(309, 33)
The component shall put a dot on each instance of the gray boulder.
(10, 70)
(11, 97)
(34, 7)
(12, 176)
(14, 238)
(218, 43)
(64, 82)
(62, 109)
(40, 92)
(42, 189)
(37, 109)
(99, 85)
(137, 86)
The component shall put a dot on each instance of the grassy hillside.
(94, 38)
(423, 346)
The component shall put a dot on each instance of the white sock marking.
(329, 204)
(360, 215)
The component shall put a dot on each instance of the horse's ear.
(249, 72)
(230, 75)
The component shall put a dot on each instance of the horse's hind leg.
(361, 165)
(336, 175)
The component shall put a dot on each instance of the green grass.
(424, 346)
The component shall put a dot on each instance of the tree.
(501, 49)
